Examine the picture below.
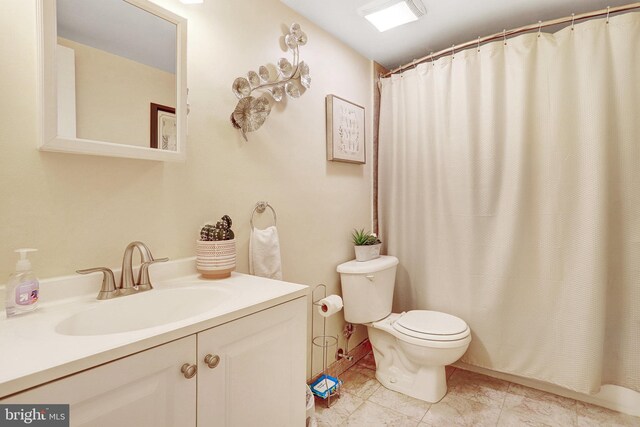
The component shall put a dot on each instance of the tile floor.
(472, 400)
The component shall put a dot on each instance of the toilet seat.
(431, 325)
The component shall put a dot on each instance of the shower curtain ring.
(504, 37)
(608, 10)
(432, 61)
(573, 20)
(539, 27)
(478, 43)
(453, 51)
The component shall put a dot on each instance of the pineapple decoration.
(221, 231)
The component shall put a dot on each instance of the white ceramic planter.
(216, 259)
(367, 252)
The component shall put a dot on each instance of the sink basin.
(140, 311)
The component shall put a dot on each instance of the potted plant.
(367, 245)
(216, 250)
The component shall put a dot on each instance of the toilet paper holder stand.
(324, 342)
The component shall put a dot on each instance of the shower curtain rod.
(507, 33)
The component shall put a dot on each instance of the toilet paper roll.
(329, 305)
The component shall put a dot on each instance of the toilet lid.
(431, 325)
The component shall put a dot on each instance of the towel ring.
(260, 208)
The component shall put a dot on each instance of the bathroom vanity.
(189, 352)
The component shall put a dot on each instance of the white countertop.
(33, 353)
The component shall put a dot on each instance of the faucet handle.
(144, 282)
(108, 288)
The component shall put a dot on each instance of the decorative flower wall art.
(293, 78)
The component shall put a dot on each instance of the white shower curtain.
(510, 191)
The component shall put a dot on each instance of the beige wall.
(113, 95)
(81, 211)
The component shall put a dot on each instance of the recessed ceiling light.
(387, 14)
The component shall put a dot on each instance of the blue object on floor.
(325, 386)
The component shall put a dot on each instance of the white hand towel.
(264, 253)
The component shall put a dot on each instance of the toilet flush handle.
(371, 277)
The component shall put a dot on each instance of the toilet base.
(428, 384)
(417, 370)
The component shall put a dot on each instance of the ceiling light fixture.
(387, 14)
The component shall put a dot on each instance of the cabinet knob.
(211, 360)
(188, 370)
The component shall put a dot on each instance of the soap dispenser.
(23, 287)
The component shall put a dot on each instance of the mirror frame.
(48, 138)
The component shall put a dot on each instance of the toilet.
(411, 348)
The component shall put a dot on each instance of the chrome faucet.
(127, 284)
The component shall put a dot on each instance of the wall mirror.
(112, 79)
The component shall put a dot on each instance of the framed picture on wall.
(163, 127)
(345, 131)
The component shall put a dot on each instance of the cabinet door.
(260, 377)
(145, 389)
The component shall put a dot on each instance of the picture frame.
(346, 137)
(163, 129)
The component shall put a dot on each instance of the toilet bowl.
(412, 348)
(414, 365)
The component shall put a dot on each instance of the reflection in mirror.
(124, 60)
(118, 74)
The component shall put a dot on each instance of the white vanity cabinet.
(255, 375)
(250, 372)
(144, 389)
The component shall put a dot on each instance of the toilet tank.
(367, 288)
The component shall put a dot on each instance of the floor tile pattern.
(472, 400)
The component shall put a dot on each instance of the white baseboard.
(610, 396)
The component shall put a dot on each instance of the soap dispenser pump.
(23, 287)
